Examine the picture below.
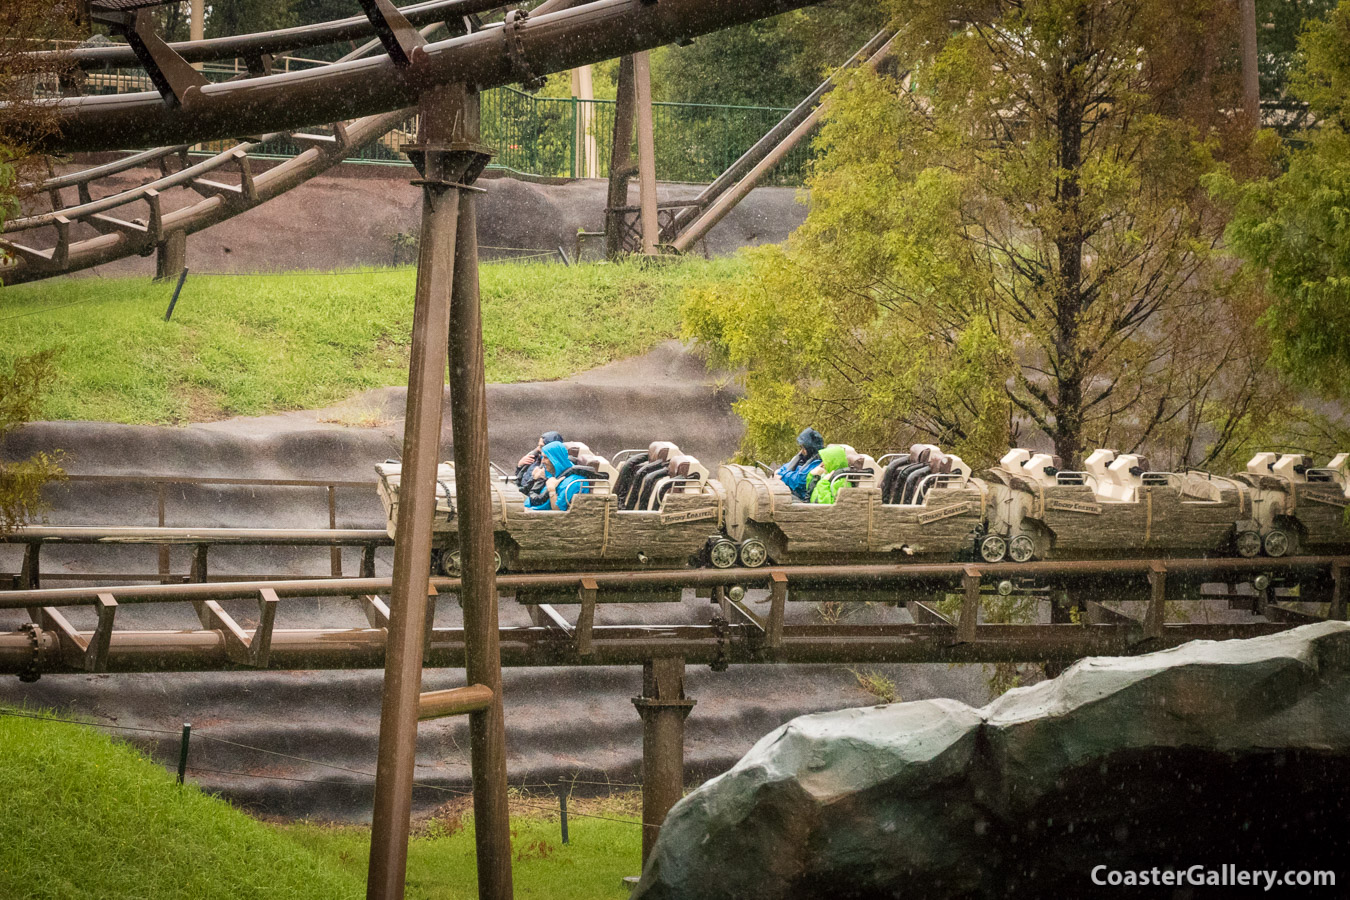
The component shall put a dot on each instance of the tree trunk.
(1069, 241)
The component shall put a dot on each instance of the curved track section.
(522, 50)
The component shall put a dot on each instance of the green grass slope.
(257, 344)
(84, 817)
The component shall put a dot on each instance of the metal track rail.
(498, 55)
(272, 42)
(740, 633)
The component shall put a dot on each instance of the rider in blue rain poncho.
(560, 472)
(794, 472)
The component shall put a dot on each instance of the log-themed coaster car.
(919, 504)
(657, 507)
(650, 508)
(1115, 506)
(1296, 506)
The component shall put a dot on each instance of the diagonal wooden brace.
(377, 612)
(241, 647)
(89, 653)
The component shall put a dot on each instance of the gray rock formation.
(1212, 753)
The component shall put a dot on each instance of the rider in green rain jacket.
(832, 459)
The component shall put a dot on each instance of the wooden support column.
(646, 141)
(170, 255)
(620, 160)
(417, 500)
(1156, 617)
(473, 495)
(663, 707)
(1340, 577)
(970, 606)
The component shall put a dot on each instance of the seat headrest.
(855, 460)
(679, 466)
(660, 449)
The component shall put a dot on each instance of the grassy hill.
(83, 817)
(257, 344)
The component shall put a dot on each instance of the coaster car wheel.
(1021, 548)
(753, 553)
(993, 548)
(1278, 542)
(722, 554)
(1247, 544)
(451, 566)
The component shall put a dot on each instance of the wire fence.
(188, 734)
(558, 137)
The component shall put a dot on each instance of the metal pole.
(620, 160)
(1251, 83)
(663, 708)
(183, 751)
(417, 505)
(642, 85)
(562, 808)
(478, 585)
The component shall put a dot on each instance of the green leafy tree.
(1292, 228)
(227, 17)
(1012, 239)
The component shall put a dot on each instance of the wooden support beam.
(586, 618)
(96, 651)
(240, 646)
(453, 702)
(73, 646)
(368, 561)
(209, 188)
(155, 221)
(546, 615)
(923, 614)
(30, 576)
(642, 84)
(970, 605)
(1286, 616)
(260, 645)
(431, 617)
(1340, 577)
(113, 225)
(777, 607)
(1155, 619)
(1098, 614)
(747, 616)
(199, 560)
(247, 188)
(377, 612)
(215, 618)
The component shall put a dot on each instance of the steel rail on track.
(746, 635)
(272, 42)
(920, 575)
(498, 55)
